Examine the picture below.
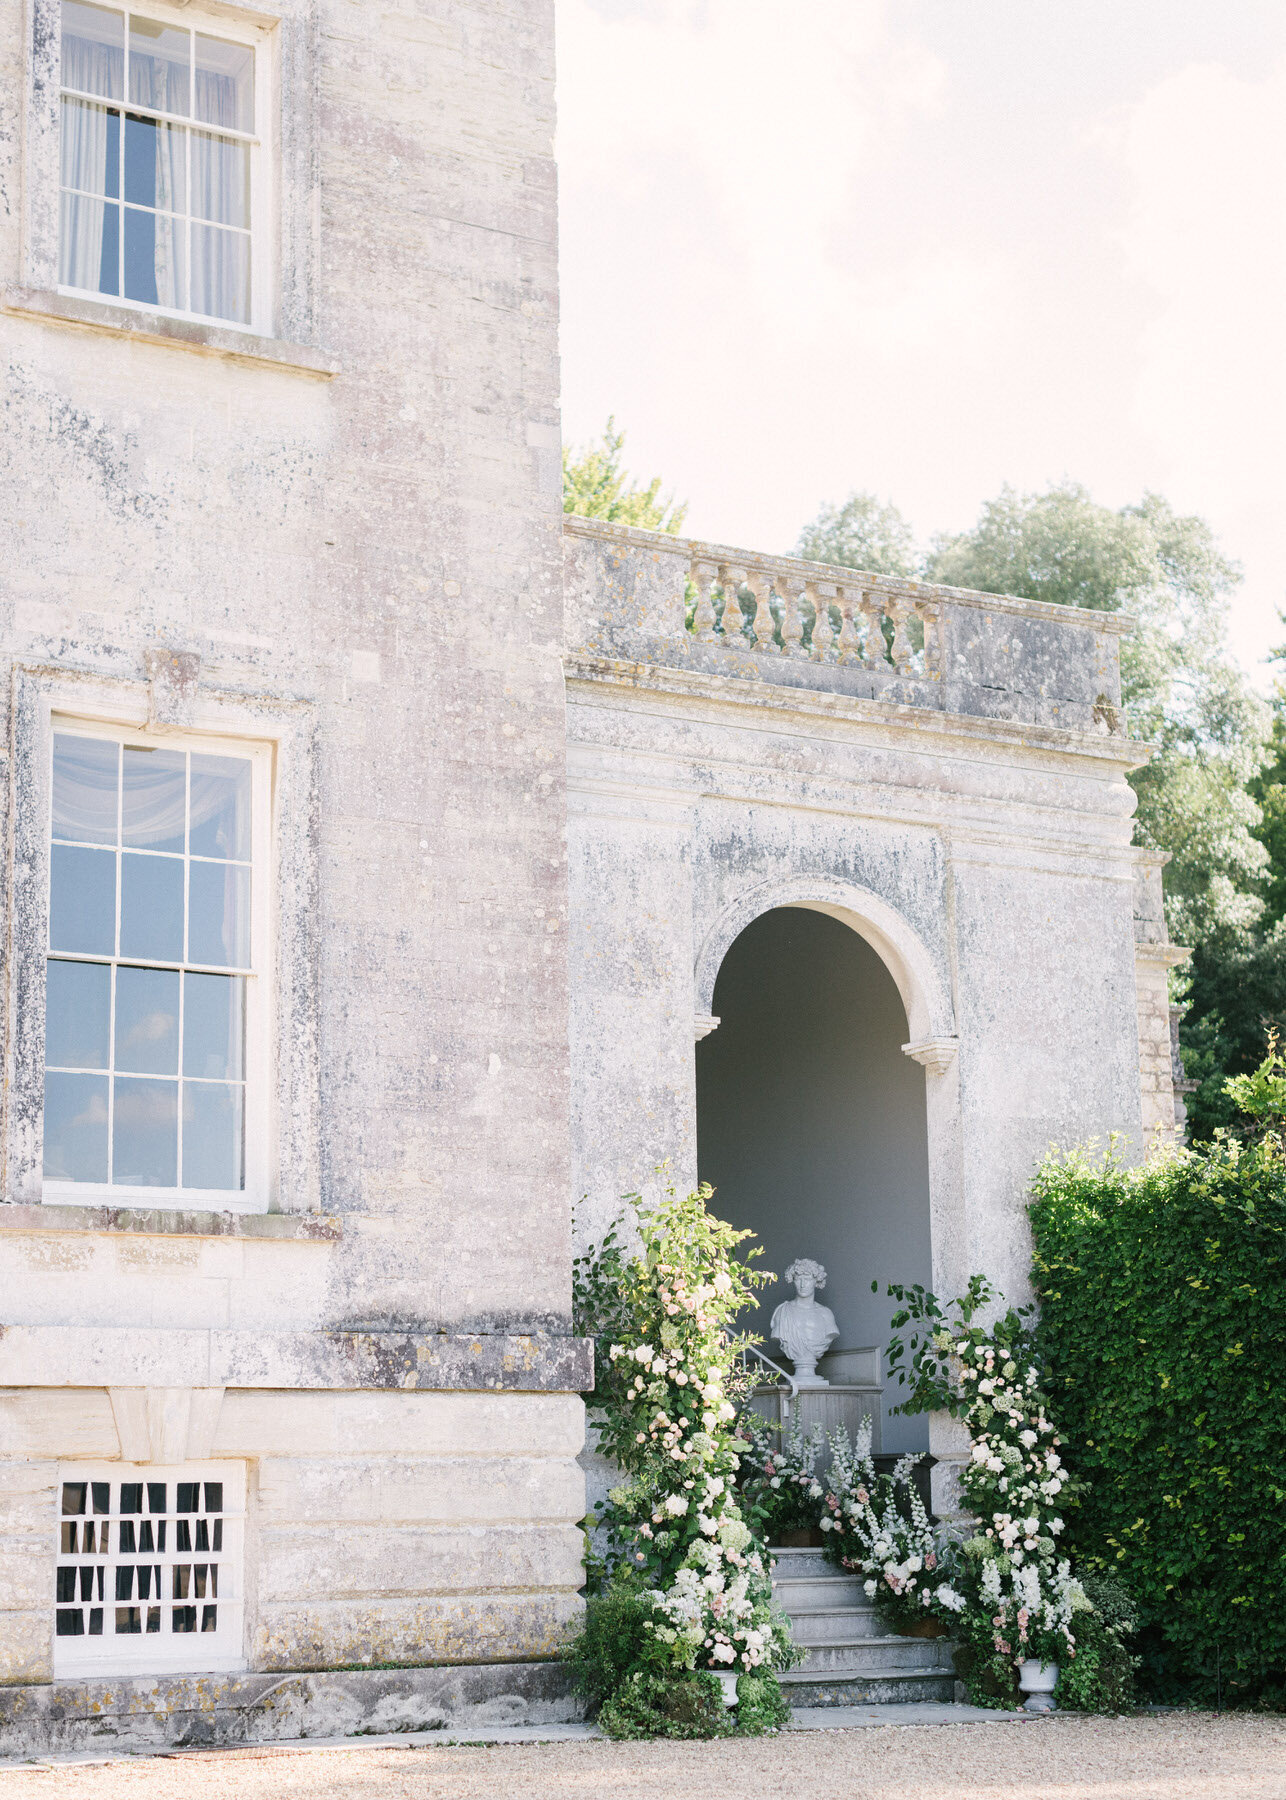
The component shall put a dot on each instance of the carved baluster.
(820, 595)
(765, 624)
(874, 655)
(734, 619)
(848, 644)
(931, 620)
(703, 574)
(900, 613)
(791, 590)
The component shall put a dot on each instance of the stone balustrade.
(644, 597)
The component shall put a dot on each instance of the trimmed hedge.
(1163, 1323)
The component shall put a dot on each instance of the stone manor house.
(390, 862)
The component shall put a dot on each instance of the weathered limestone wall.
(383, 1527)
(356, 530)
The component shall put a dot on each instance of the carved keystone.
(166, 1425)
(172, 676)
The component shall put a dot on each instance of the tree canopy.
(863, 533)
(596, 486)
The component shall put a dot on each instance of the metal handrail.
(749, 1351)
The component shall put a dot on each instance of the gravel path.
(1189, 1756)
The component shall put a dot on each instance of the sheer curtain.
(84, 166)
(93, 68)
(154, 81)
(220, 171)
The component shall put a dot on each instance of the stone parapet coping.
(146, 1221)
(1116, 624)
(180, 334)
(44, 1356)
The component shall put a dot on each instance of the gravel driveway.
(1174, 1757)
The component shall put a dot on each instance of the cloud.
(1204, 152)
(753, 124)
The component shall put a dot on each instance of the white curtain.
(220, 259)
(84, 166)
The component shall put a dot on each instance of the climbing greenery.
(682, 1583)
(1162, 1294)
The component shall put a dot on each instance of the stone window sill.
(181, 334)
(142, 1221)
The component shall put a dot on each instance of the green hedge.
(1163, 1322)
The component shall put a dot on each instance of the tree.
(863, 533)
(597, 487)
(1182, 690)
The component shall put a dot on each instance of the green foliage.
(612, 1641)
(1181, 688)
(596, 486)
(1162, 1293)
(649, 1704)
(864, 533)
(685, 1582)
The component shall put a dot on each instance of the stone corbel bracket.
(936, 1054)
(166, 1425)
(704, 1024)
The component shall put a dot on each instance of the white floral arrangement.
(879, 1530)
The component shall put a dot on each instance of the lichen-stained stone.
(459, 1628)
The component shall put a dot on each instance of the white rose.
(676, 1504)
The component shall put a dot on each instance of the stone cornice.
(681, 685)
(415, 1362)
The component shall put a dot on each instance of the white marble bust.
(803, 1326)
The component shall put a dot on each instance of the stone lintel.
(48, 1356)
(147, 1221)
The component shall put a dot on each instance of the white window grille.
(149, 1571)
(160, 193)
(154, 1012)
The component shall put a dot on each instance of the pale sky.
(925, 247)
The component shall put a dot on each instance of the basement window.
(161, 177)
(149, 1569)
(155, 1015)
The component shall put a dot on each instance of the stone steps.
(852, 1658)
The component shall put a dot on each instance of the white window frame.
(255, 1194)
(164, 1652)
(263, 156)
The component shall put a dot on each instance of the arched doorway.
(811, 1122)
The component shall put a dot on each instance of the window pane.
(91, 148)
(220, 179)
(212, 1135)
(155, 171)
(147, 1021)
(220, 273)
(76, 1127)
(89, 245)
(82, 900)
(78, 1013)
(153, 784)
(145, 1133)
(155, 258)
(214, 1025)
(151, 907)
(85, 776)
(93, 49)
(219, 914)
(225, 83)
(158, 65)
(221, 807)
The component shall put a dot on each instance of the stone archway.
(812, 1124)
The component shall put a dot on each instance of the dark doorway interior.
(811, 1123)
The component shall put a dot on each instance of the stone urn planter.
(1038, 1681)
(727, 1679)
